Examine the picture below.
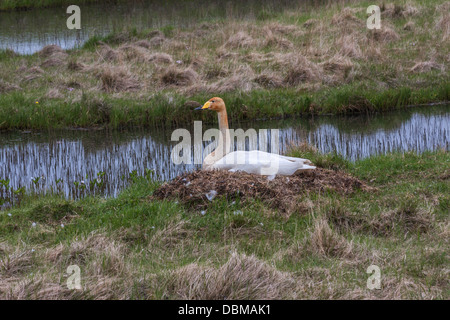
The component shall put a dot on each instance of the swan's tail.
(305, 161)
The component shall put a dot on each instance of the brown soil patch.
(281, 193)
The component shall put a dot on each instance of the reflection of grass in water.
(136, 247)
(29, 4)
(91, 186)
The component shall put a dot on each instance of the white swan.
(257, 162)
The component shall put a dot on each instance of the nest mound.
(196, 189)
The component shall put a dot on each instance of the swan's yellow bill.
(206, 105)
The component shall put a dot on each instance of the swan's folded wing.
(263, 163)
(243, 161)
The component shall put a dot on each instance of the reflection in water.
(28, 31)
(78, 156)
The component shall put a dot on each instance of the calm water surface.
(26, 32)
(64, 157)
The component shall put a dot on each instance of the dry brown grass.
(239, 40)
(340, 66)
(348, 46)
(269, 80)
(299, 69)
(156, 41)
(50, 50)
(172, 235)
(53, 93)
(173, 76)
(117, 79)
(274, 40)
(409, 26)
(101, 259)
(346, 20)
(241, 277)
(385, 34)
(37, 287)
(243, 82)
(396, 10)
(134, 53)
(443, 24)
(327, 243)
(7, 87)
(108, 54)
(310, 22)
(55, 60)
(426, 66)
(15, 261)
(408, 219)
(74, 65)
(160, 58)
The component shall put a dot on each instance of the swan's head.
(215, 104)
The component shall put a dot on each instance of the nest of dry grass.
(281, 193)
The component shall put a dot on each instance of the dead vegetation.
(443, 24)
(101, 259)
(385, 34)
(177, 77)
(339, 66)
(53, 56)
(239, 40)
(396, 10)
(241, 277)
(426, 66)
(242, 56)
(349, 46)
(172, 235)
(117, 79)
(325, 242)
(7, 87)
(282, 193)
(346, 19)
(301, 69)
(407, 219)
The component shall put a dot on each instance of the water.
(73, 156)
(26, 32)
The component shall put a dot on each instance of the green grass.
(20, 111)
(139, 248)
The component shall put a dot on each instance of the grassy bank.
(137, 247)
(322, 60)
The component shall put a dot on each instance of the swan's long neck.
(223, 145)
(224, 141)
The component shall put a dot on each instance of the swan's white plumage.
(256, 162)
(259, 162)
